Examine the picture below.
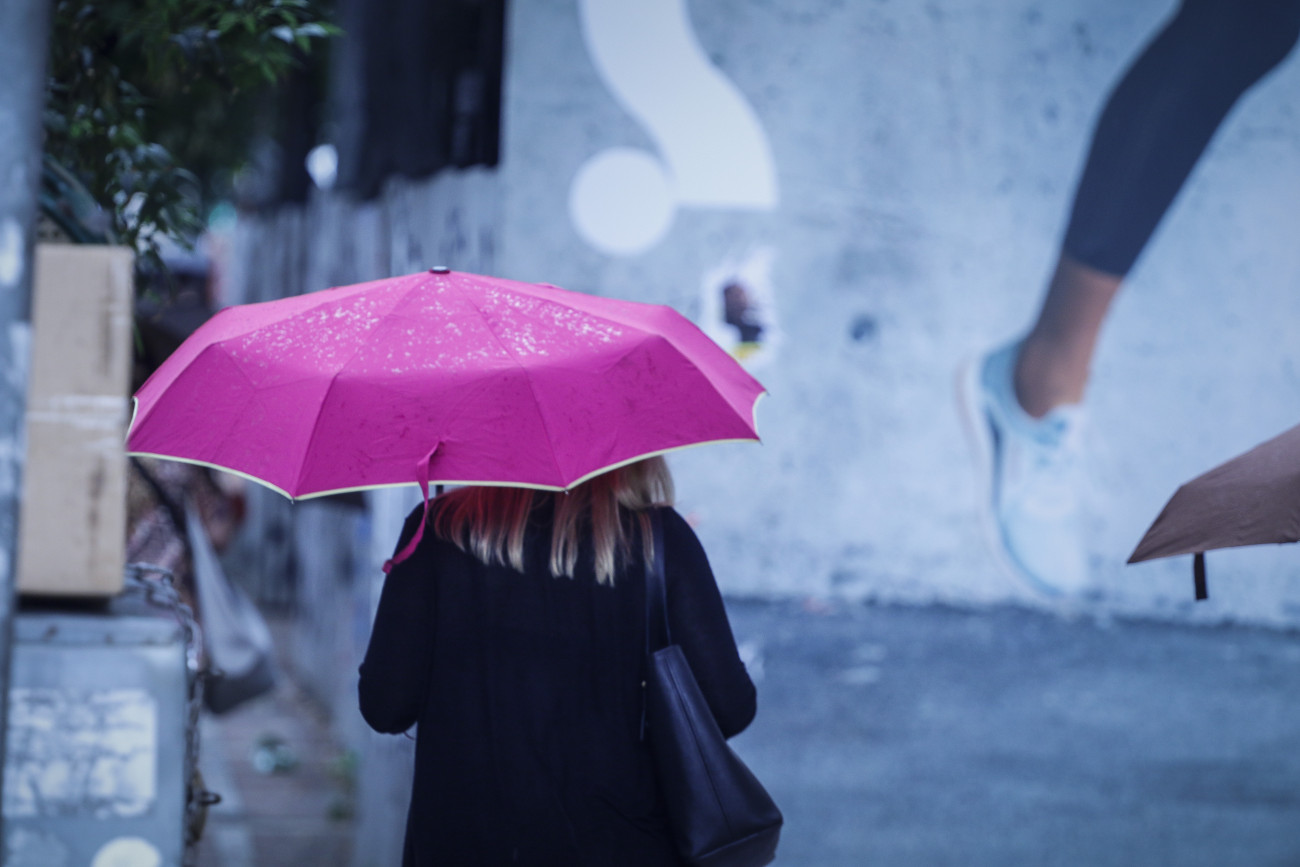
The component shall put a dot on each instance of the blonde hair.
(489, 522)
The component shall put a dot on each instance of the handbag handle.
(657, 634)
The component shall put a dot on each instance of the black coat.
(527, 692)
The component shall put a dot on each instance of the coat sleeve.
(396, 669)
(698, 620)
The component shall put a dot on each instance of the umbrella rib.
(245, 330)
(713, 387)
(628, 351)
(320, 407)
(315, 426)
(523, 368)
(684, 351)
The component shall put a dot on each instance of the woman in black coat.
(514, 636)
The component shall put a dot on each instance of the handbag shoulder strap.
(657, 633)
(656, 605)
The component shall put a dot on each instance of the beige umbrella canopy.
(1253, 499)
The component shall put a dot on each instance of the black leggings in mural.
(1161, 116)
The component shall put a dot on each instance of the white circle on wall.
(621, 201)
(127, 852)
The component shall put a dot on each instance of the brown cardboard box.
(72, 530)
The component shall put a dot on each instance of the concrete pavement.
(928, 736)
(295, 811)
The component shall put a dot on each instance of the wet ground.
(287, 786)
(926, 736)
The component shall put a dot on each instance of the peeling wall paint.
(88, 752)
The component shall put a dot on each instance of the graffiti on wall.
(712, 151)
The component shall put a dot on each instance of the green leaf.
(228, 21)
(150, 102)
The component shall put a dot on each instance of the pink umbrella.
(440, 377)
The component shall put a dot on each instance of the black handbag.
(720, 814)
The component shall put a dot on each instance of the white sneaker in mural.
(1031, 475)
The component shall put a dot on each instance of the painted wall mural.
(858, 198)
(712, 151)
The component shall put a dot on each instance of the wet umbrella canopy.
(441, 377)
(1253, 499)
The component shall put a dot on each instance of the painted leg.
(1056, 356)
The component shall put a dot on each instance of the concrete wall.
(924, 156)
(914, 164)
(891, 180)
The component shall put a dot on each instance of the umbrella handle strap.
(422, 477)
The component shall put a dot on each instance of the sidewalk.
(299, 813)
(925, 737)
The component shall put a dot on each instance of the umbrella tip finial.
(439, 269)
